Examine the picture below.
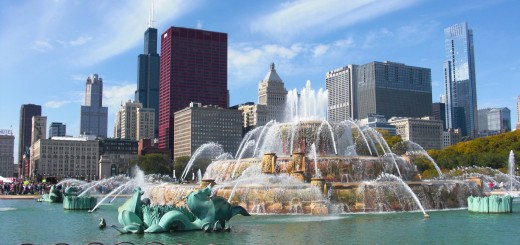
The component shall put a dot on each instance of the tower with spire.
(93, 114)
(148, 65)
(272, 94)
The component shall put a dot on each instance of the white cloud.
(79, 77)
(115, 94)
(199, 24)
(119, 27)
(297, 17)
(374, 37)
(56, 104)
(94, 32)
(42, 46)
(79, 41)
(249, 62)
(320, 50)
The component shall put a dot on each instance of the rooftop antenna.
(150, 15)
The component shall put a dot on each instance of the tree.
(180, 163)
(492, 151)
(154, 163)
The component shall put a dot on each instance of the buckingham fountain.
(308, 165)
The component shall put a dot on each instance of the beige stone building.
(197, 125)
(134, 122)
(423, 131)
(145, 123)
(272, 93)
(65, 157)
(253, 115)
(451, 137)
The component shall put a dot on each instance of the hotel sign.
(6, 132)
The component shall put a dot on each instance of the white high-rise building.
(342, 98)
(145, 123)
(132, 121)
(272, 93)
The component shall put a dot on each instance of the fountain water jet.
(201, 149)
(391, 176)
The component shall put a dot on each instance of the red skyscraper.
(193, 69)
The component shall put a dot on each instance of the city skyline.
(64, 47)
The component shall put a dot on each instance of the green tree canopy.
(491, 151)
(154, 163)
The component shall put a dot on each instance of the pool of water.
(27, 221)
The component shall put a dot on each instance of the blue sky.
(49, 47)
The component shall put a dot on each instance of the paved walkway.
(502, 193)
(20, 196)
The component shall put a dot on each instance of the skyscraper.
(492, 121)
(518, 112)
(439, 113)
(27, 111)
(392, 89)
(193, 67)
(57, 129)
(6, 154)
(39, 127)
(197, 125)
(459, 79)
(342, 98)
(134, 122)
(93, 114)
(272, 93)
(147, 92)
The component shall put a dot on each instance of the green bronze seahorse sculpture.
(204, 213)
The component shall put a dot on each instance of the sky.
(50, 47)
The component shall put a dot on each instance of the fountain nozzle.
(426, 216)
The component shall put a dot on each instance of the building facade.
(193, 67)
(460, 80)
(378, 122)
(342, 97)
(65, 157)
(7, 155)
(94, 116)
(272, 94)
(119, 153)
(147, 92)
(253, 116)
(423, 131)
(57, 129)
(134, 122)
(393, 90)
(27, 111)
(439, 113)
(518, 113)
(451, 137)
(492, 121)
(145, 123)
(39, 128)
(197, 125)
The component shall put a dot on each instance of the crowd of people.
(24, 187)
(494, 186)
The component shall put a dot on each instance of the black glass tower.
(147, 91)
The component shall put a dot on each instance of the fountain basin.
(490, 204)
(320, 197)
(79, 203)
